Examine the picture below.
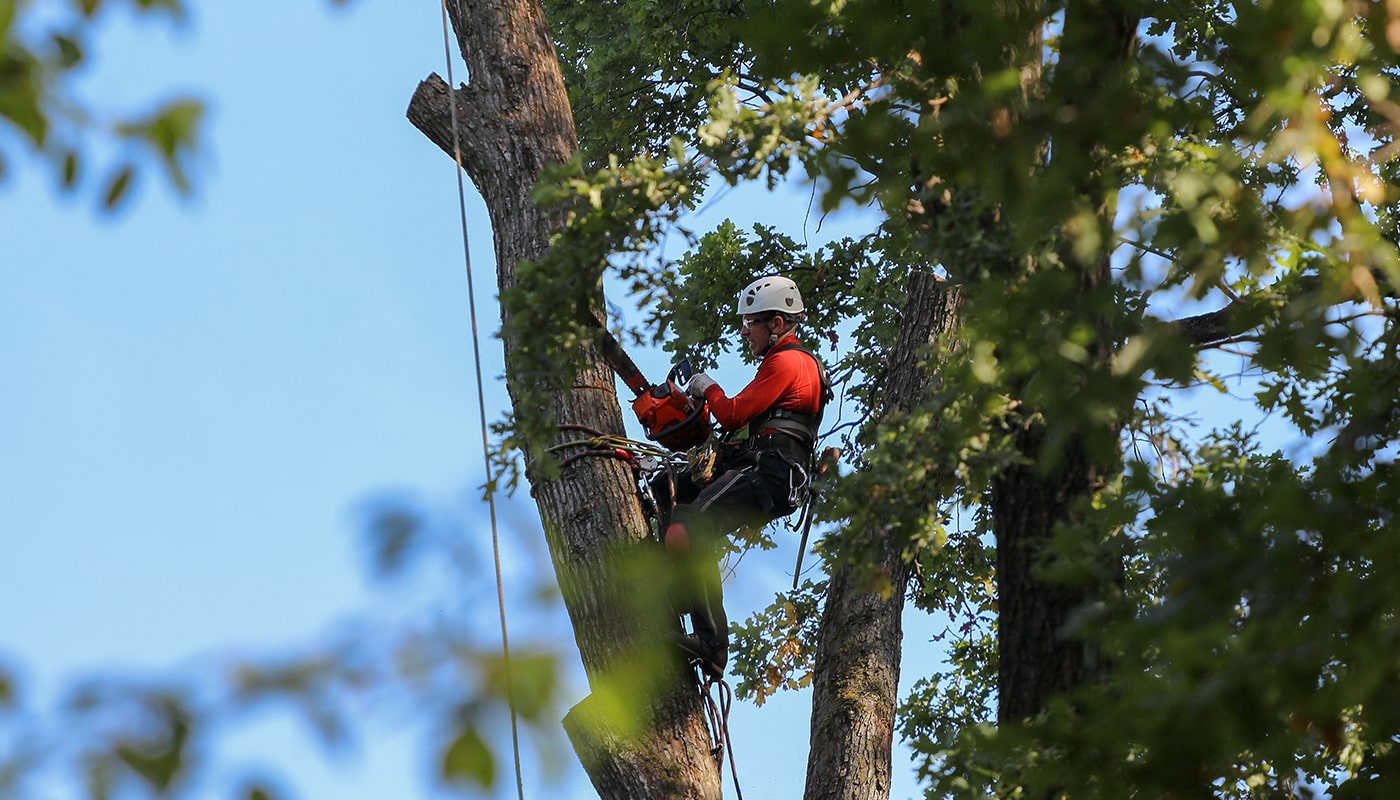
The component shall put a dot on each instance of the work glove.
(699, 384)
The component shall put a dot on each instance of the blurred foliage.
(45, 48)
(435, 668)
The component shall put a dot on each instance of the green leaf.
(531, 678)
(394, 534)
(70, 53)
(172, 131)
(69, 176)
(118, 186)
(469, 760)
(20, 84)
(98, 779)
(160, 758)
(174, 8)
(8, 694)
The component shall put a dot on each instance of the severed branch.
(430, 111)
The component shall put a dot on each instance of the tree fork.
(514, 120)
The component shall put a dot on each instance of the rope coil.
(717, 715)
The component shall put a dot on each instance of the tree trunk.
(1038, 658)
(855, 688)
(514, 120)
(1037, 661)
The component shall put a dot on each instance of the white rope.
(481, 398)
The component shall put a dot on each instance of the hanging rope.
(481, 401)
(718, 714)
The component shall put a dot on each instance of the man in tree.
(763, 476)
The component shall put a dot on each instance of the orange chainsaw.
(669, 416)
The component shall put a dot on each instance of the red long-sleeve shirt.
(784, 380)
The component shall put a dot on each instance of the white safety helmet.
(771, 293)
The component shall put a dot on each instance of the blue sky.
(201, 395)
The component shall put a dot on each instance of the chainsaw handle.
(681, 373)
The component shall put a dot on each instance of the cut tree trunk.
(514, 120)
(855, 687)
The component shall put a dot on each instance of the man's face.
(757, 332)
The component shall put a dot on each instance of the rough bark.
(514, 120)
(855, 687)
(1037, 660)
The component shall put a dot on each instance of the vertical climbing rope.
(481, 399)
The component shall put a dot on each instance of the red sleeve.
(785, 380)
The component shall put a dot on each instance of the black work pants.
(756, 487)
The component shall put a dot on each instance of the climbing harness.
(481, 401)
(646, 457)
(648, 461)
(802, 427)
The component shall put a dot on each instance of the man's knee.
(678, 539)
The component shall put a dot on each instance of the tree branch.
(1212, 327)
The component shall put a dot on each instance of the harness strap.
(806, 427)
(802, 426)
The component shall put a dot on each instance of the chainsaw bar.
(668, 415)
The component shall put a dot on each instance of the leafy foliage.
(163, 735)
(1088, 173)
(775, 645)
(632, 93)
